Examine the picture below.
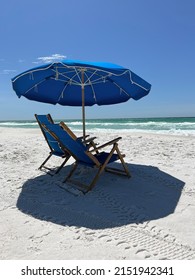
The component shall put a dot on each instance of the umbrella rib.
(78, 74)
(136, 83)
(94, 94)
(87, 82)
(89, 77)
(113, 74)
(32, 71)
(64, 81)
(94, 69)
(68, 78)
(62, 93)
(90, 83)
(121, 89)
(101, 77)
(34, 86)
(68, 83)
(74, 70)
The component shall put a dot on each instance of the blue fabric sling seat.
(84, 156)
(52, 143)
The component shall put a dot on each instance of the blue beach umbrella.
(78, 83)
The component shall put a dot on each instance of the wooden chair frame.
(63, 155)
(93, 156)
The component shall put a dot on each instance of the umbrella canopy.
(76, 83)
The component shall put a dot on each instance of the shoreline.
(95, 133)
(120, 218)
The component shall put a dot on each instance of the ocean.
(172, 126)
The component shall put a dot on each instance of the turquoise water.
(175, 126)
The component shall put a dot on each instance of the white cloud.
(49, 59)
(7, 71)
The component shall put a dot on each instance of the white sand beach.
(149, 216)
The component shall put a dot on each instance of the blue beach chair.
(91, 158)
(52, 143)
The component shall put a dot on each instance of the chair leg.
(90, 187)
(71, 172)
(123, 162)
(101, 169)
(45, 161)
(63, 163)
(58, 170)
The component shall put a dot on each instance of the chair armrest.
(107, 144)
(81, 137)
(89, 140)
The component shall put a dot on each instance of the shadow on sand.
(115, 201)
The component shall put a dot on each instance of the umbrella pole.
(83, 104)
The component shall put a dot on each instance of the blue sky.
(153, 38)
